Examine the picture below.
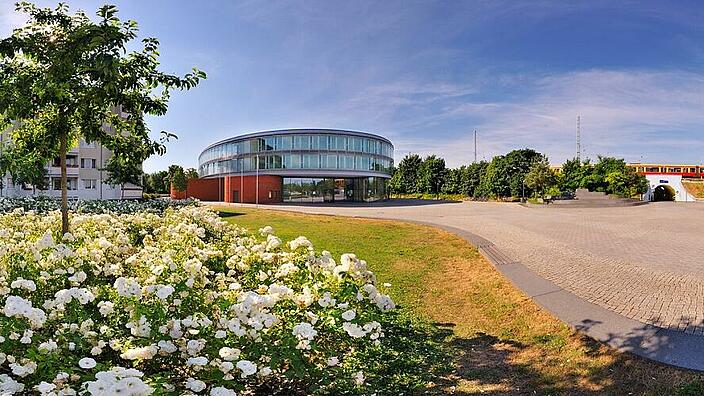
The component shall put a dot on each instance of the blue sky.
(426, 74)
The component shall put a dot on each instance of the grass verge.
(503, 342)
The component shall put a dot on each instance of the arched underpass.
(664, 193)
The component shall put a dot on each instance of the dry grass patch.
(695, 188)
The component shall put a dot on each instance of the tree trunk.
(63, 142)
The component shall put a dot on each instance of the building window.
(88, 163)
(90, 184)
(71, 183)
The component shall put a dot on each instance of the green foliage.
(156, 183)
(608, 174)
(573, 172)
(540, 178)
(695, 388)
(25, 167)
(464, 180)
(505, 174)
(405, 176)
(191, 174)
(178, 178)
(431, 175)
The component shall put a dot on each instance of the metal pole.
(257, 193)
(239, 196)
(475, 145)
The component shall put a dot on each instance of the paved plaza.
(642, 262)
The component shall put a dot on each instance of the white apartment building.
(86, 177)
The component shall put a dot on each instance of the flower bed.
(42, 204)
(184, 303)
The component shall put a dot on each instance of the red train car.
(687, 171)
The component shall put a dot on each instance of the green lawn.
(503, 342)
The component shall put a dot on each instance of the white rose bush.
(184, 303)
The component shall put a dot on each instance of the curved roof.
(301, 131)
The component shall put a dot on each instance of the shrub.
(185, 303)
(43, 204)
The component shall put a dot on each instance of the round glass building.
(298, 165)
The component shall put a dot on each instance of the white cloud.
(624, 113)
(648, 115)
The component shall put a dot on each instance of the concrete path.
(632, 277)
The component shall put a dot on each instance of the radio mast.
(579, 140)
(475, 145)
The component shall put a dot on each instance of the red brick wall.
(244, 189)
(228, 189)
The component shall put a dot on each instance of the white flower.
(195, 385)
(359, 378)
(106, 308)
(127, 382)
(167, 346)
(332, 361)
(327, 300)
(20, 283)
(86, 363)
(348, 315)
(163, 292)
(197, 361)
(127, 287)
(21, 308)
(248, 368)
(44, 388)
(354, 330)
(229, 353)
(9, 386)
(48, 346)
(78, 277)
(146, 352)
(304, 330)
(23, 370)
(264, 231)
(222, 391)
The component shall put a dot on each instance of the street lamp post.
(257, 192)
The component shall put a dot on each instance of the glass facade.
(299, 149)
(303, 189)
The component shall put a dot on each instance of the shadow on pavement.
(384, 204)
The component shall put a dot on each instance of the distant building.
(86, 177)
(294, 165)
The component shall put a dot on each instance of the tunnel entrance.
(663, 193)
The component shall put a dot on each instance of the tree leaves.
(64, 72)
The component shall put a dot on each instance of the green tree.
(506, 173)
(431, 175)
(177, 178)
(540, 177)
(453, 180)
(472, 178)
(574, 174)
(154, 182)
(63, 76)
(25, 168)
(405, 178)
(191, 174)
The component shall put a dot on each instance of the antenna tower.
(579, 139)
(475, 145)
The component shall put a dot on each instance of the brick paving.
(643, 262)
